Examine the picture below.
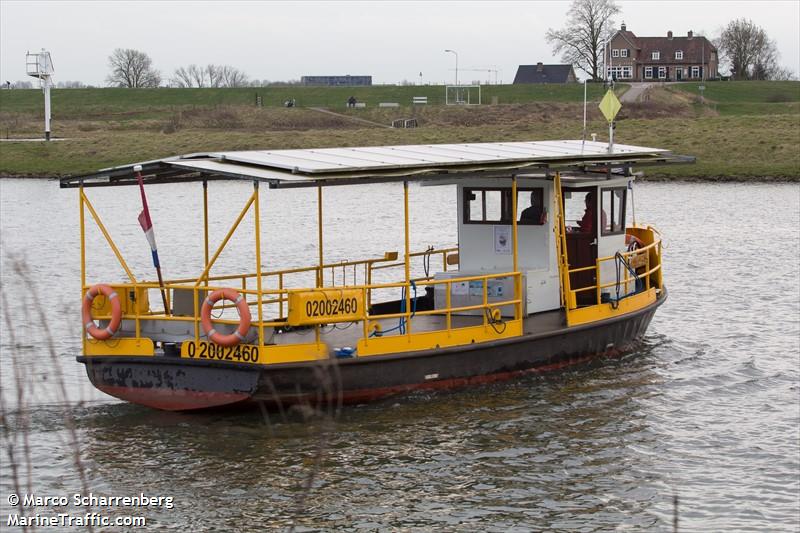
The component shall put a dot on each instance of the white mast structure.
(39, 65)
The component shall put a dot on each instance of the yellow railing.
(644, 272)
(276, 297)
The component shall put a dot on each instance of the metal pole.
(205, 218)
(584, 114)
(515, 246)
(257, 221)
(408, 257)
(46, 109)
(319, 235)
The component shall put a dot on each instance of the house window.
(656, 55)
(620, 72)
(662, 73)
(615, 52)
(623, 52)
(695, 72)
(648, 72)
(493, 206)
(679, 54)
(613, 215)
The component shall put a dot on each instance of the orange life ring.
(244, 317)
(116, 312)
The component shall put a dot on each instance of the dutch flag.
(145, 221)
(147, 227)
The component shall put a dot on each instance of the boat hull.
(181, 384)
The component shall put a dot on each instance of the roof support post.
(204, 275)
(83, 258)
(110, 241)
(407, 257)
(319, 236)
(515, 250)
(320, 271)
(257, 222)
(205, 219)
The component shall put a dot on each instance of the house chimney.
(669, 34)
(539, 67)
(690, 34)
(623, 26)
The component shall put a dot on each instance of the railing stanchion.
(448, 305)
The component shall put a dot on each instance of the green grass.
(108, 127)
(747, 97)
(726, 147)
(143, 103)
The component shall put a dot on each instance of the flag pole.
(147, 225)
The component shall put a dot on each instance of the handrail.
(364, 316)
(655, 246)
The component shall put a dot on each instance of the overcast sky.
(391, 41)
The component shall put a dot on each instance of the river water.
(707, 409)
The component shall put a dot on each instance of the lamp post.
(456, 54)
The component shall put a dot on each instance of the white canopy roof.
(328, 166)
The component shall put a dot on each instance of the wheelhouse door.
(580, 208)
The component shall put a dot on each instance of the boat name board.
(241, 353)
(325, 306)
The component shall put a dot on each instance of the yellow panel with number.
(250, 353)
(241, 353)
(325, 306)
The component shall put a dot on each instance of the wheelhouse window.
(648, 72)
(613, 215)
(493, 206)
(678, 54)
(656, 55)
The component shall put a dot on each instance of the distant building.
(669, 58)
(337, 81)
(540, 73)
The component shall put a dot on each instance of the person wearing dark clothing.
(586, 224)
(351, 102)
(535, 214)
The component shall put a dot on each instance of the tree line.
(750, 53)
(134, 68)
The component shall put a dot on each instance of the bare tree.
(181, 78)
(132, 68)
(233, 77)
(749, 50)
(209, 76)
(214, 75)
(580, 42)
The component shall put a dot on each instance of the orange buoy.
(116, 312)
(244, 317)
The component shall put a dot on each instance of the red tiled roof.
(694, 50)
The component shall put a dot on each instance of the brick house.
(670, 58)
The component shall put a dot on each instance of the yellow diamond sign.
(610, 105)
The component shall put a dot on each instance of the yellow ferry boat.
(527, 289)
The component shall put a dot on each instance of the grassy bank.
(121, 126)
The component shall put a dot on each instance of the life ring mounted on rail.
(244, 317)
(116, 312)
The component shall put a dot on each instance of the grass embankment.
(752, 130)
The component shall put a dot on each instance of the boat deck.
(348, 334)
